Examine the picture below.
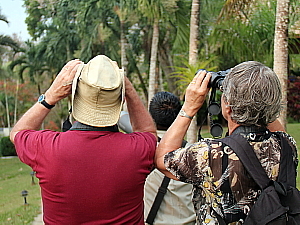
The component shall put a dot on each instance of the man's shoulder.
(143, 134)
(23, 133)
(146, 137)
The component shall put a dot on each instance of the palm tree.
(6, 41)
(126, 11)
(155, 11)
(260, 40)
(152, 11)
(194, 32)
(193, 57)
(281, 51)
(31, 63)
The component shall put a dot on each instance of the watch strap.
(48, 106)
(44, 103)
(184, 114)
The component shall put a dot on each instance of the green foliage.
(246, 39)
(32, 63)
(229, 32)
(181, 25)
(38, 16)
(17, 104)
(157, 9)
(293, 130)
(186, 73)
(7, 148)
(6, 40)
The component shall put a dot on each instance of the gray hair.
(253, 92)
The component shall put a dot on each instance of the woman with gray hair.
(223, 191)
(254, 93)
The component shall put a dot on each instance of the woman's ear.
(226, 108)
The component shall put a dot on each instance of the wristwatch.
(183, 113)
(41, 100)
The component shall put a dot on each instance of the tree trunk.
(124, 61)
(6, 104)
(16, 102)
(153, 59)
(280, 66)
(166, 64)
(193, 56)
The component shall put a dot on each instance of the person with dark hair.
(92, 173)
(164, 108)
(223, 190)
(176, 205)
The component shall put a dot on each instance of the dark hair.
(164, 108)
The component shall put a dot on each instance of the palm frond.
(3, 18)
(186, 73)
(8, 41)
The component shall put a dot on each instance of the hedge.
(7, 148)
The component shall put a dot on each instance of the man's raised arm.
(140, 118)
(60, 88)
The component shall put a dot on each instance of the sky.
(15, 14)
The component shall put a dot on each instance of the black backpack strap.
(225, 187)
(158, 199)
(245, 153)
(287, 169)
(273, 201)
(67, 124)
(162, 190)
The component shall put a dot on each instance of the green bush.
(7, 148)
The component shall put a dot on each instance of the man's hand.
(60, 88)
(62, 85)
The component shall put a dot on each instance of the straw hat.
(98, 92)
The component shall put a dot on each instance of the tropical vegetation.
(159, 43)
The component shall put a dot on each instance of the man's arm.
(140, 118)
(195, 96)
(60, 88)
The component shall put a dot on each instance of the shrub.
(294, 98)
(7, 148)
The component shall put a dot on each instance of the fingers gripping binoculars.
(214, 107)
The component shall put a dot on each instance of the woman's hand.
(196, 93)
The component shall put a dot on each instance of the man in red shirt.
(91, 174)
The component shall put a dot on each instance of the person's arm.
(276, 126)
(195, 96)
(60, 88)
(140, 118)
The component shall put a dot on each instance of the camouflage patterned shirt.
(201, 165)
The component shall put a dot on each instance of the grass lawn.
(15, 177)
(294, 130)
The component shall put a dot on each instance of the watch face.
(182, 113)
(41, 98)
